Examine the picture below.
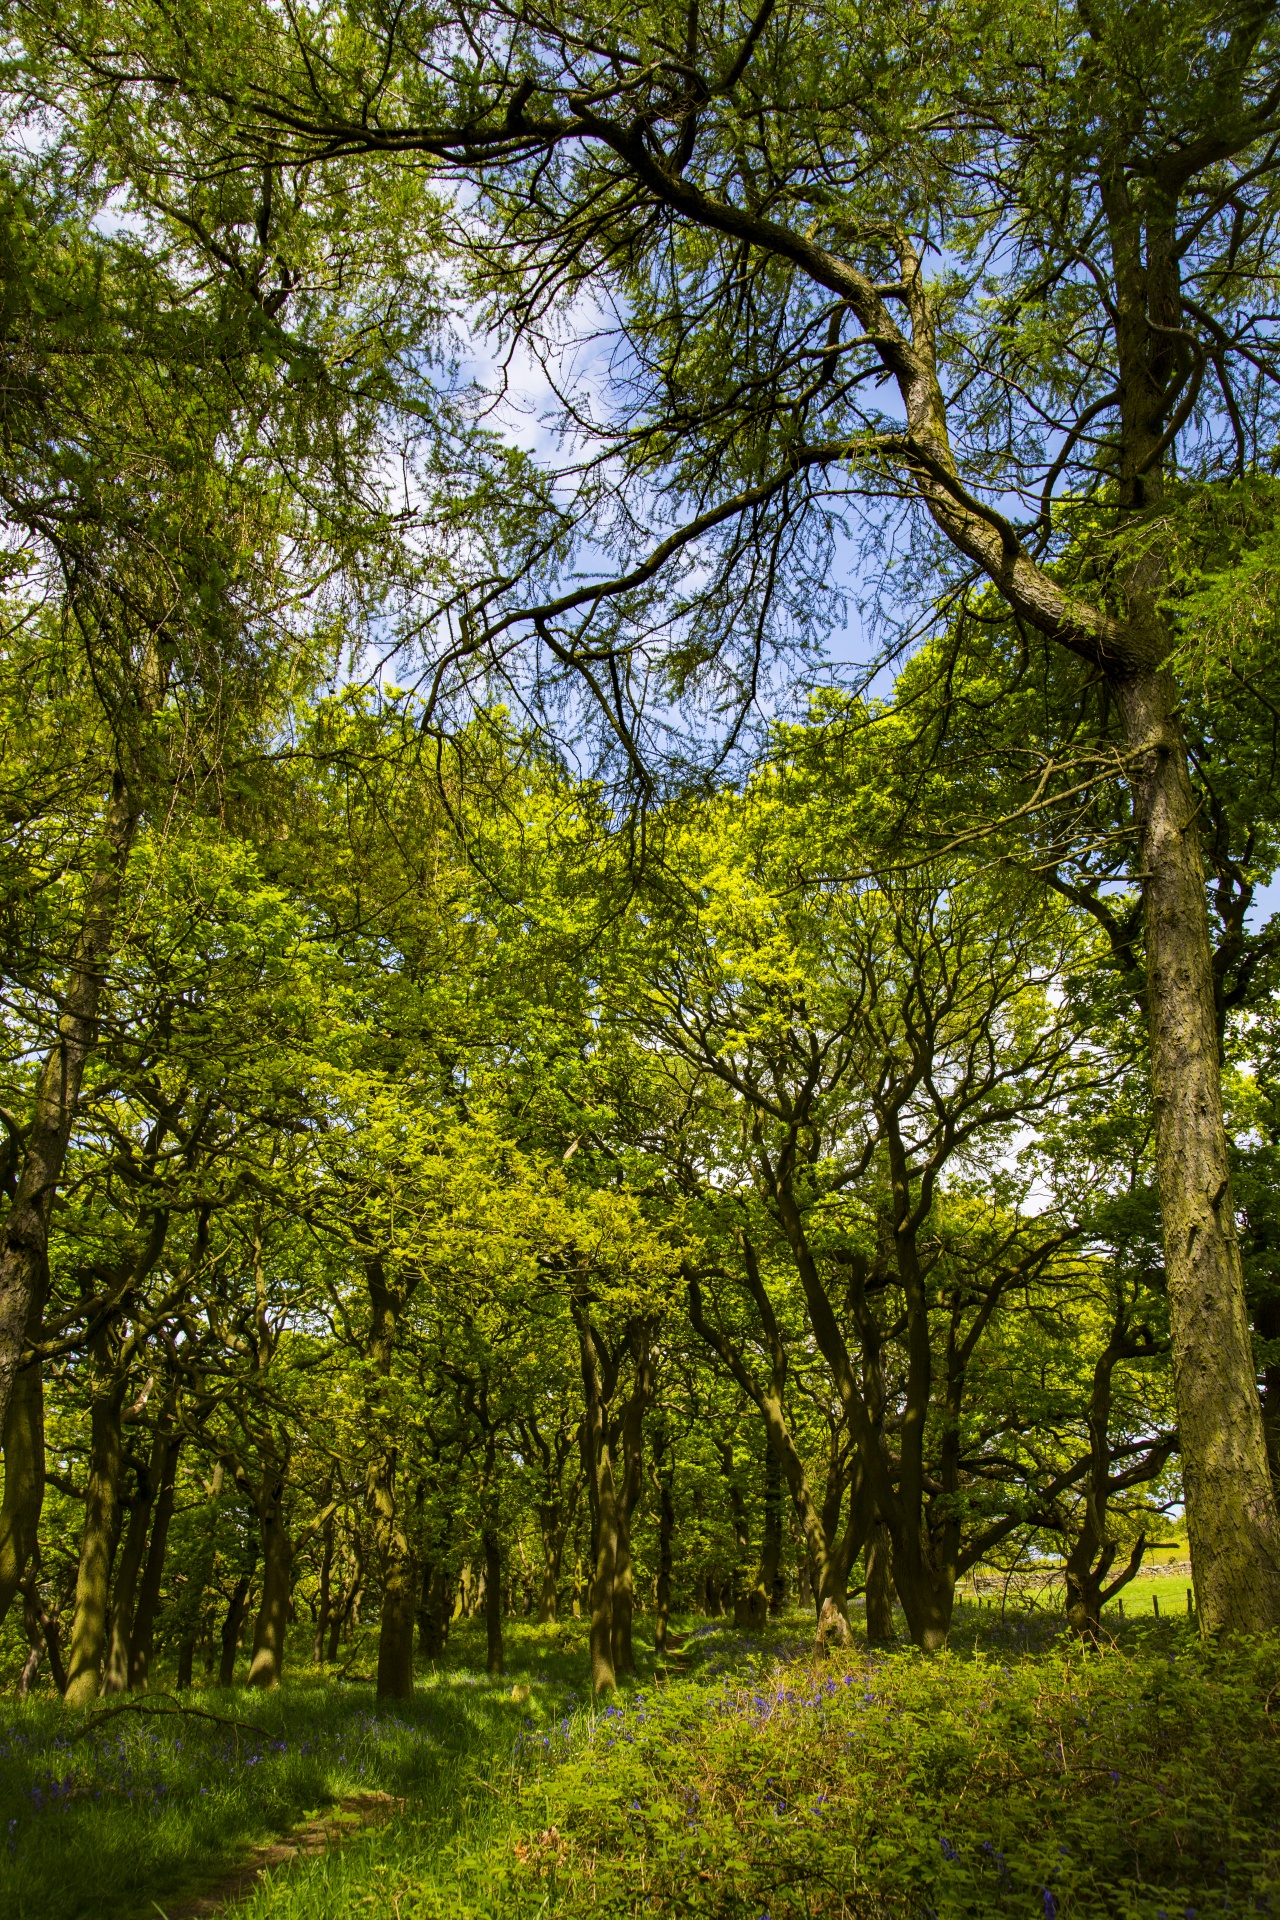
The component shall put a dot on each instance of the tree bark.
(604, 1505)
(24, 1245)
(34, 1610)
(433, 1619)
(325, 1594)
(553, 1533)
(1232, 1523)
(142, 1639)
(664, 1475)
(343, 1614)
(267, 1664)
(639, 1338)
(1267, 1322)
(769, 1580)
(231, 1628)
(102, 1501)
(880, 1630)
(495, 1655)
(395, 1628)
(115, 1677)
(396, 1563)
(23, 1468)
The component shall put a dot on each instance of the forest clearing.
(639, 958)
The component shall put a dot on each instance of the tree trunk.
(804, 1573)
(395, 1628)
(927, 1596)
(495, 1658)
(752, 1609)
(1232, 1522)
(267, 1663)
(640, 1340)
(769, 1577)
(23, 1468)
(24, 1244)
(97, 1545)
(142, 1639)
(35, 1610)
(350, 1599)
(1267, 1321)
(115, 1677)
(399, 1580)
(433, 1620)
(624, 1597)
(231, 1628)
(880, 1629)
(396, 1565)
(191, 1600)
(666, 1534)
(603, 1677)
(323, 1603)
(35, 1643)
(553, 1527)
(602, 1495)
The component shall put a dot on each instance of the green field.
(1014, 1774)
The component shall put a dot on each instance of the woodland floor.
(1013, 1775)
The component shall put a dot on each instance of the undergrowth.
(1015, 1774)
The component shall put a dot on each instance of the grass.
(1015, 1775)
(144, 1810)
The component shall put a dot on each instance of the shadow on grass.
(150, 1808)
(1015, 1773)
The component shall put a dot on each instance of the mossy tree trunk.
(98, 1539)
(24, 1467)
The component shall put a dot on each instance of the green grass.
(1139, 1595)
(143, 1810)
(1015, 1774)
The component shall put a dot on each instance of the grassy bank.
(1014, 1774)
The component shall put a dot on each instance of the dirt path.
(314, 1836)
